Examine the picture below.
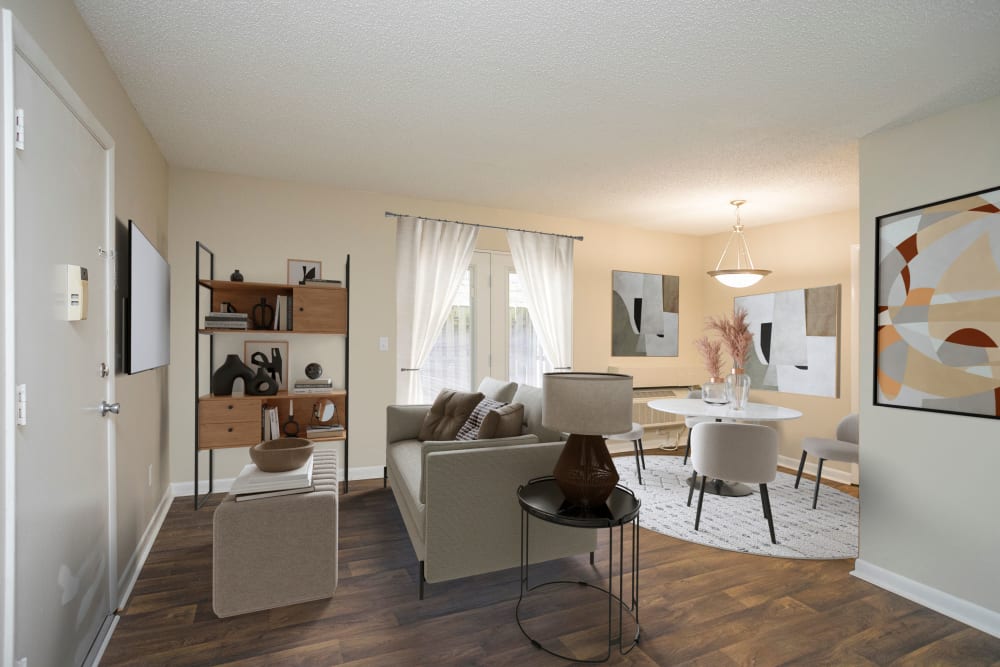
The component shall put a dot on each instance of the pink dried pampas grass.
(711, 355)
(735, 334)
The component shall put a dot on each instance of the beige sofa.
(458, 499)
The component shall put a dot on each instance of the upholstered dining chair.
(690, 422)
(844, 448)
(735, 452)
(635, 435)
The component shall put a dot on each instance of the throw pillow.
(503, 422)
(447, 414)
(472, 428)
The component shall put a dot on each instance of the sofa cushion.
(448, 413)
(404, 459)
(473, 426)
(531, 398)
(503, 422)
(498, 390)
(432, 447)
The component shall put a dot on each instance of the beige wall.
(929, 494)
(140, 194)
(256, 225)
(811, 252)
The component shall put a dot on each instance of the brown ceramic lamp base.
(585, 472)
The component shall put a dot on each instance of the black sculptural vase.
(226, 375)
(262, 384)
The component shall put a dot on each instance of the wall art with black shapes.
(644, 314)
(796, 340)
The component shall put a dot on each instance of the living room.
(924, 539)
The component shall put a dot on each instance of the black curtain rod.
(472, 224)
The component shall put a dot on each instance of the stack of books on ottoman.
(219, 320)
(253, 484)
(317, 386)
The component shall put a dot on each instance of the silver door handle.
(106, 407)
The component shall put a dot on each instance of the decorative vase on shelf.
(714, 391)
(226, 375)
(738, 388)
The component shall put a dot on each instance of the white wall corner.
(967, 612)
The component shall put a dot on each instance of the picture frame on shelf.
(272, 355)
(300, 270)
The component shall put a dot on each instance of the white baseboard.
(967, 612)
(126, 582)
(832, 474)
(223, 485)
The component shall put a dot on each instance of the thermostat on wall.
(76, 292)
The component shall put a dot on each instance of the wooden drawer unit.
(228, 422)
(215, 411)
(319, 309)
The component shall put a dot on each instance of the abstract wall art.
(644, 314)
(796, 340)
(937, 284)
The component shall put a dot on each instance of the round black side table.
(542, 499)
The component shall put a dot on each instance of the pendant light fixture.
(744, 275)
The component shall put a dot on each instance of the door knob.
(106, 407)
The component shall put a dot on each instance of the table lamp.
(586, 405)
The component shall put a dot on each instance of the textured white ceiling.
(649, 113)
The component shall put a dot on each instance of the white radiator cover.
(649, 418)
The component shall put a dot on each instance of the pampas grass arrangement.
(735, 334)
(711, 356)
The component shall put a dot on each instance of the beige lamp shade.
(587, 403)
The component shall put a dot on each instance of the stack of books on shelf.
(253, 484)
(323, 430)
(317, 386)
(235, 321)
(319, 282)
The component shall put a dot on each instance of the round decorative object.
(236, 276)
(282, 454)
(313, 370)
(715, 392)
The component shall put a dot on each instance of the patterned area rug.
(738, 524)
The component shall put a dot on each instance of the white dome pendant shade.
(744, 274)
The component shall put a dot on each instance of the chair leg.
(421, 580)
(687, 450)
(385, 476)
(765, 499)
(802, 464)
(638, 468)
(691, 484)
(642, 453)
(819, 475)
(701, 497)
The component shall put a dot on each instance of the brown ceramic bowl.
(282, 454)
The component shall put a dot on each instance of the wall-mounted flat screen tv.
(147, 317)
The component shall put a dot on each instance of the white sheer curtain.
(545, 265)
(431, 258)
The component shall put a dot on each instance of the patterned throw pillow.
(470, 429)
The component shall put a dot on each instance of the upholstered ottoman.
(278, 551)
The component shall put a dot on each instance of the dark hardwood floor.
(698, 605)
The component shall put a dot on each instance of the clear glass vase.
(714, 392)
(738, 388)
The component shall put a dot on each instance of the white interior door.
(64, 590)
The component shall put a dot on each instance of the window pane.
(526, 361)
(449, 365)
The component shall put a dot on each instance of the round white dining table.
(695, 407)
(752, 412)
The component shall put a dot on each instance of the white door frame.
(14, 38)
